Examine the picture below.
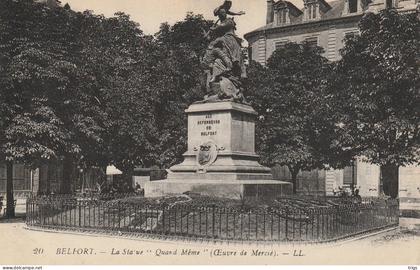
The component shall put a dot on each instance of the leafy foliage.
(379, 94)
(95, 89)
(180, 82)
(38, 82)
(289, 97)
(376, 91)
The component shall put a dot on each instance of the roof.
(290, 5)
(325, 3)
(334, 12)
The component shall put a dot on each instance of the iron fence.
(282, 223)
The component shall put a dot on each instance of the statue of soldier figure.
(223, 59)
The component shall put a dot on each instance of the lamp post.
(353, 176)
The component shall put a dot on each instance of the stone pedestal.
(221, 159)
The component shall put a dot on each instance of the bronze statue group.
(223, 60)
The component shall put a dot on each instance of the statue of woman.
(224, 55)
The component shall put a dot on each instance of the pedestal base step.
(224, 189)
(220, 176)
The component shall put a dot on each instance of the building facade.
(23, 179)
(322, 23)
(326, 24)
(48, 178)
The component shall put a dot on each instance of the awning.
(112, 170)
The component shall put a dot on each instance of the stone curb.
(188, 240)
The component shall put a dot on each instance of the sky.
(151, 13)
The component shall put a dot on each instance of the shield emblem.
(206, 155)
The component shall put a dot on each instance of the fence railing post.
(287, 224)
(119, 215)
(80, 214)
(163, 220)
(213, 220)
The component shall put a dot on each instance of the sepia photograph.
(209, 132)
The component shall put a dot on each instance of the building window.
(312, 41)
(389, 4)
(312, 9)
(311, 12)
(352, 6)
(282, 16)
(350, 176)
(280, 44)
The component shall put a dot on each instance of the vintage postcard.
(209, 132)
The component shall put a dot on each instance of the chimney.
(270, 11)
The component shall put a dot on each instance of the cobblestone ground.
(22, 246)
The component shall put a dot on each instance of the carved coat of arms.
(207, 154)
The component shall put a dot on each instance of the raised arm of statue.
(235, 13)
(226, 6)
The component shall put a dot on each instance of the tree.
(115, 54)
(26, 119)
(82, 89)
(144, 84)
(46, 111)
(376, 91)
(182, 81)
(288, 95)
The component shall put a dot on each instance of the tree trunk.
(42, 179)
(123, 181)
(101, 183)
(10, 204)
(390, 179)
(49, 178)
(294, 173)
(68, 176)
(128, 181)
(45, 178)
